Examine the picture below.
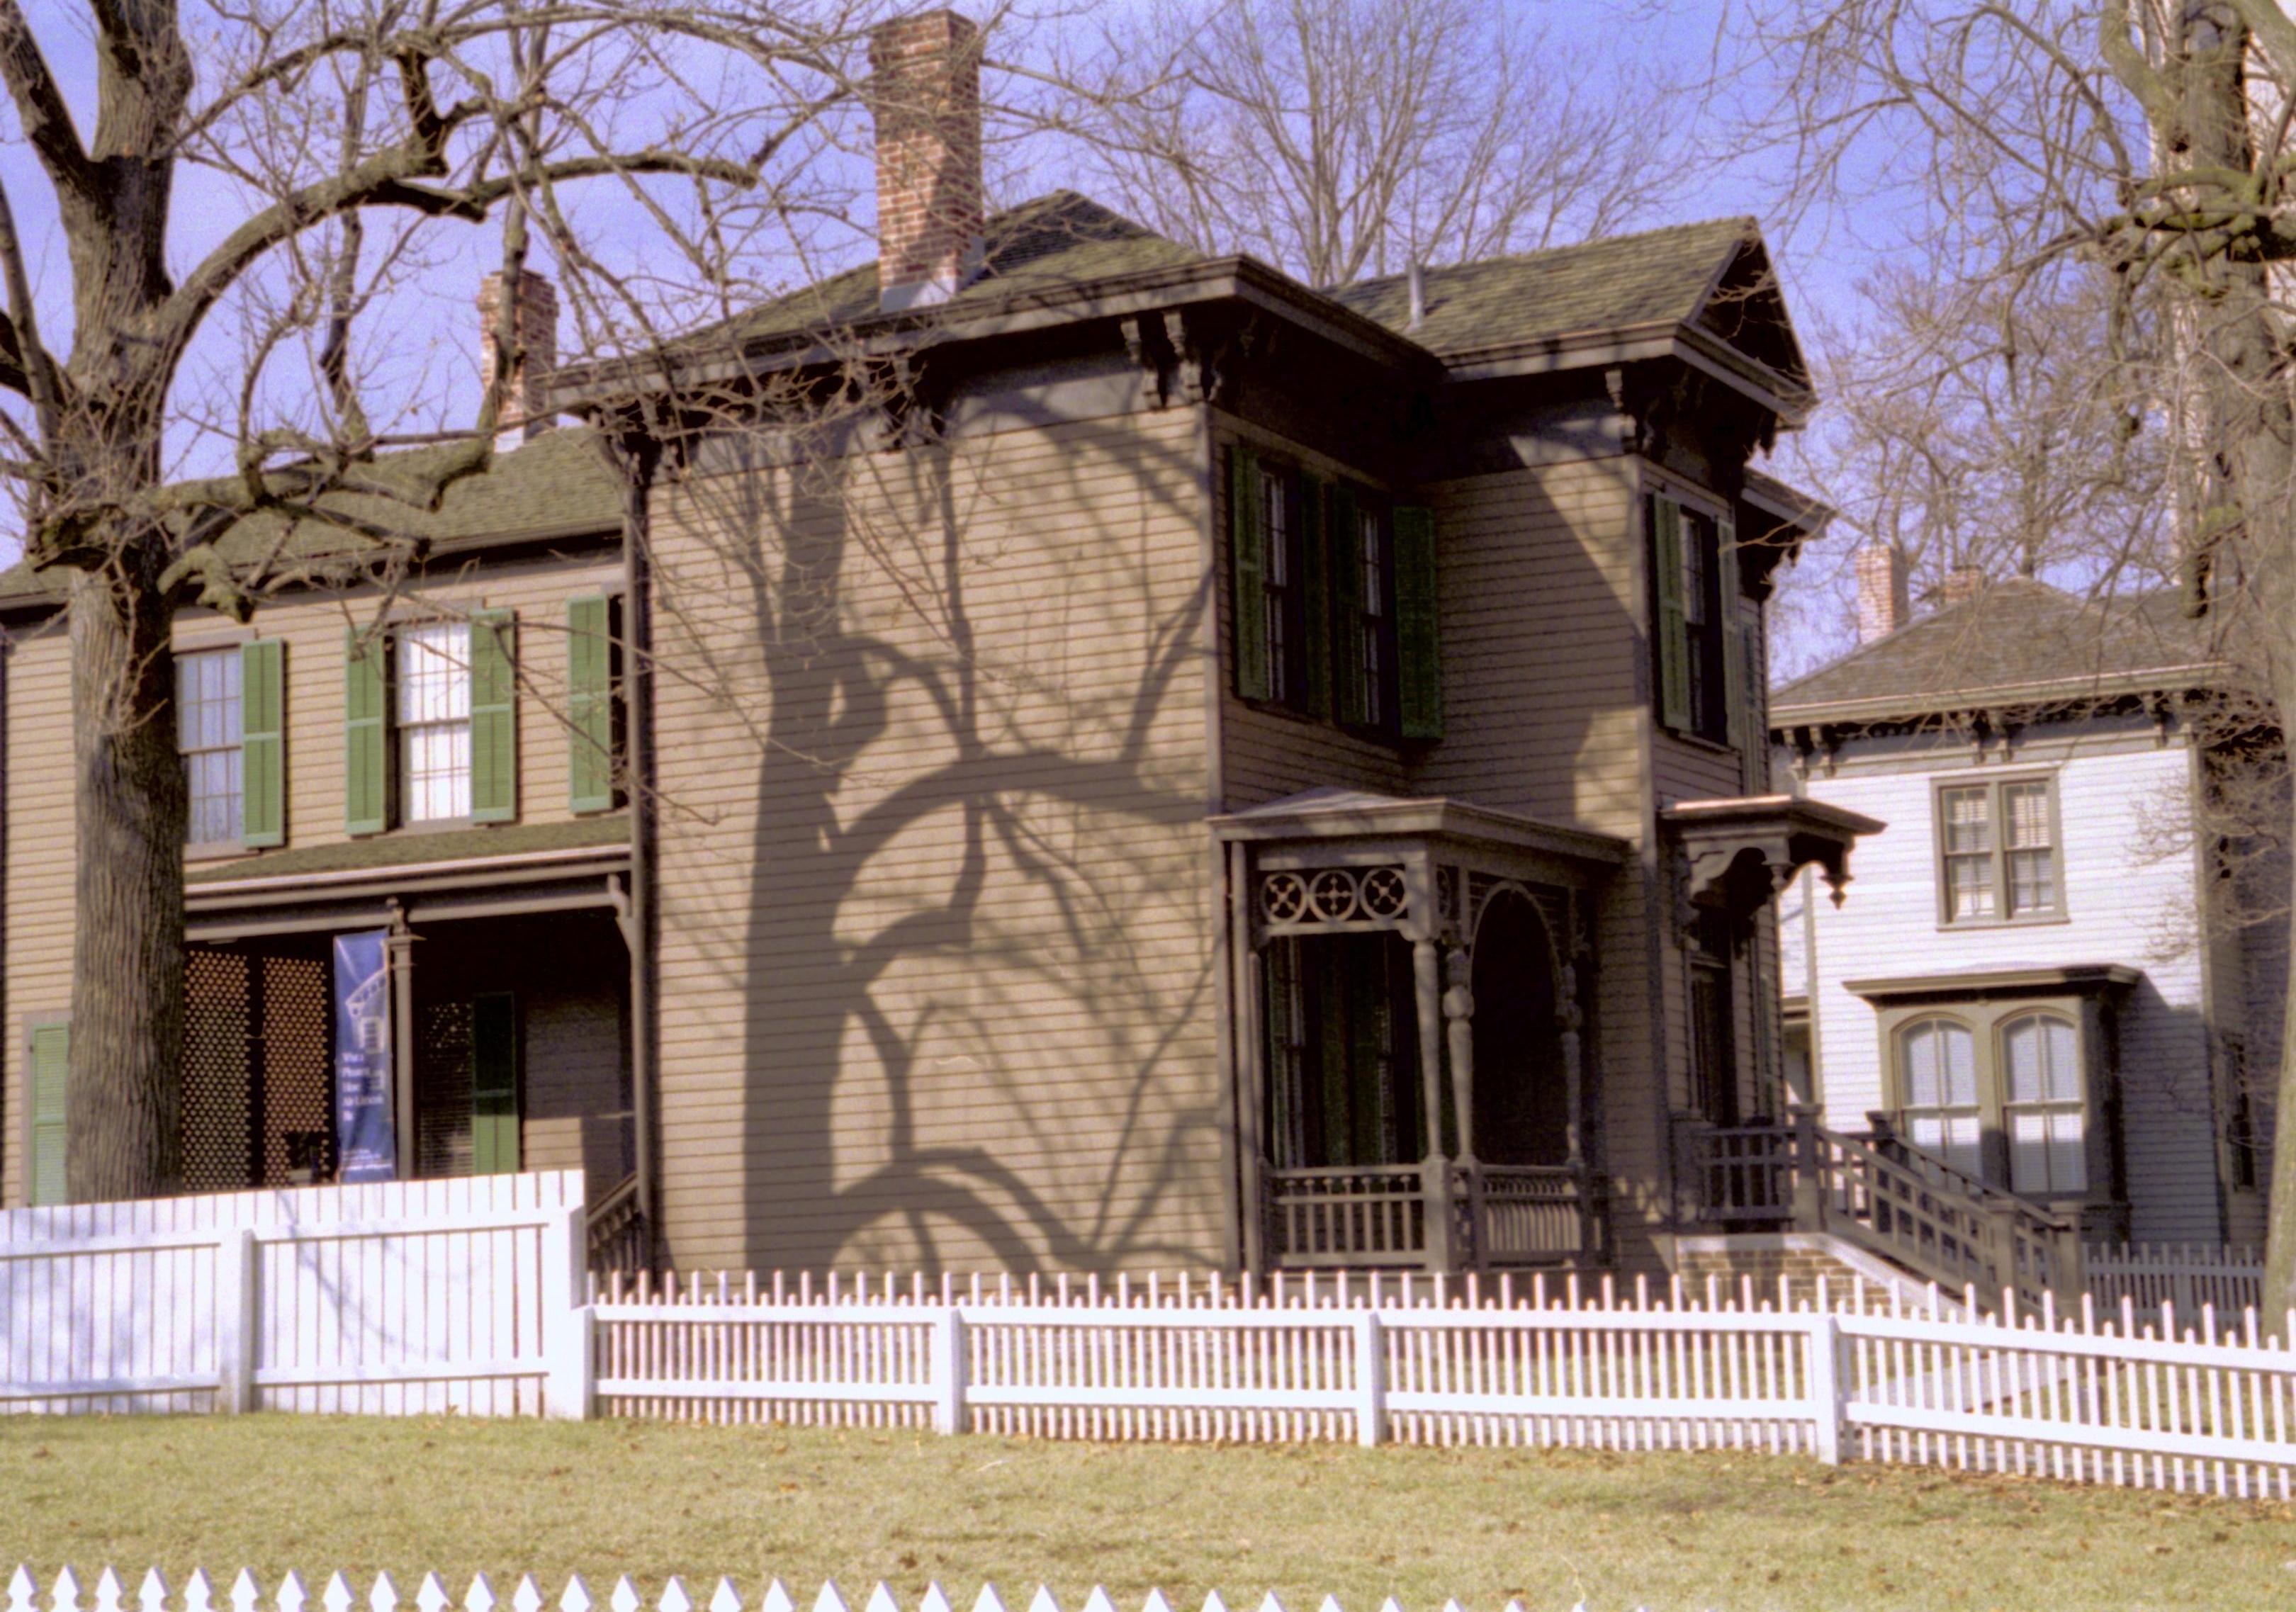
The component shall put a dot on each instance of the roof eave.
(1884, 707)
(1701, 350)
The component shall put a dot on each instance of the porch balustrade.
(1379, 1217)
(1881, 1194)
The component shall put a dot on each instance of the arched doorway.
(1522, 1098)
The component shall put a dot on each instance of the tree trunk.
(128, 965)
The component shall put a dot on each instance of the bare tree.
(1345, 138)
(2147, 142)
(264, 183)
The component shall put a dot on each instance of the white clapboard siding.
(387, 1298)
(292, 1594)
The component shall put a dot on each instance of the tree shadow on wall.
(976, 953)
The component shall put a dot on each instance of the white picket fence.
(246, 1595)
(2183, 1275)
(2206, 1407)
(393, 1298)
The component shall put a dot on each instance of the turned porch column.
(399, 946)
(1435, 1171)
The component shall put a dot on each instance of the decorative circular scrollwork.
(1382, 894)
(1283, 897)
(1333, 896)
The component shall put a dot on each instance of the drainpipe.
(637, 460)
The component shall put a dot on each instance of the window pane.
(1959, 1060)
(212, 780)
(437, 772)
(1923, 1090)
(1926, 1131)
(2025, 814)
(1969, 886)
(1968, 821)
(1962, 1148)
(2029, 1151)
(1694, 530)
(2021, 1045)
(2063, 1081)
(2068, 1151)
(2032, 880)
(434, 673)
(206, 699)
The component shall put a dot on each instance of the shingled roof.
(1063, 241)
(555, 483)
(2015, 642)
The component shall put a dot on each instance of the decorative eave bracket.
(1737, 853)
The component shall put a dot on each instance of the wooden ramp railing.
(617, 1237)
(1909, 1206)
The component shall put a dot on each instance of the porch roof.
(1742, 849)
(1334, 812)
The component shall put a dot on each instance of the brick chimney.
(1884, 601)
(537, 316)
(1963, 583)
(925, 93)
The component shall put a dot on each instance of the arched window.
(1937, 1060)
(2041, 1105)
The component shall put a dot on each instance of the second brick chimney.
(1963, 583)
(925, 93)
(1884, 601)
(537, 316)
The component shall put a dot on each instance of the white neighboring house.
(2025, 979)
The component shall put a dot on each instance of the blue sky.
(431, 323)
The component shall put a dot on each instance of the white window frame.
(431, 716)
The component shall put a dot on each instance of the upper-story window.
(1694, 576)
(1997, 851)
(207, 733)
(1333, 600)
(431, 724)
(230, 728)
(434, 721)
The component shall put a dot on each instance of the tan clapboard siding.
(1542, 706)
(40, 838)
(39, 771)
(313, 628)
(1266, 753)
(935, 964)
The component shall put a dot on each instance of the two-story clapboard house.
(2046, 977)
(1211, 770)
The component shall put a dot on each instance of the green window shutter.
(1672, 635)
(1734, 668)
(1247, 547)
(50, 1069)
(1352, 694)
(590, 703)
(262, 743)
(366, 738)
(1418, 643)
(1315, 500)
(493, 717)
(494, 1084)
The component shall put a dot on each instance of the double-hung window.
(2042, 1110)
(1937, 1066)
(1997, 851)
(1333, 600)
(1702, 687)
(434, 721)
(208, 731)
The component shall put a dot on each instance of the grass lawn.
(1733, 1532)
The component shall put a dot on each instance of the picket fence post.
(235, 1318)
(1825, 1404)
(569, 1326)
(1371, 1379)
(948, 1370)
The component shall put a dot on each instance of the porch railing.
(1881, 1194)
(616, 1228)
(1372, 1217)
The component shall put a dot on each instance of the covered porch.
(1410, 991)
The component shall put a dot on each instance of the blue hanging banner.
(366, 1120)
